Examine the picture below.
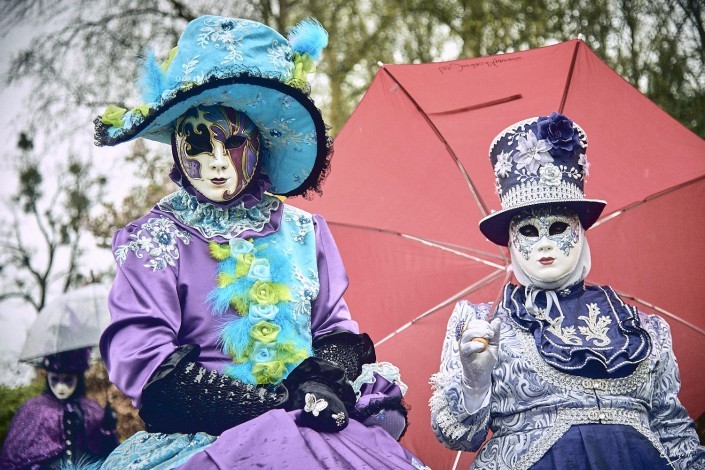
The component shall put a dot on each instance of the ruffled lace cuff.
(455, 427)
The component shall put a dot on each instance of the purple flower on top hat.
(558, 130)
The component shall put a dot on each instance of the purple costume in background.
(159, 302)
(38, 438)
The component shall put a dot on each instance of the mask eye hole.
(199, 143)
(235, 141)
(557, 228)
(529, 231)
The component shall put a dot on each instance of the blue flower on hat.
(532, 153)
(559, 131)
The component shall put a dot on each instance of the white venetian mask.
(218, 150)
(546, 242)
(62, 385)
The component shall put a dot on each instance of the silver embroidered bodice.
(532, 405)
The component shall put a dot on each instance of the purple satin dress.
(153, 311)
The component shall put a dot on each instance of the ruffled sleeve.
(453, 425)
(669, 419)
(144, 303)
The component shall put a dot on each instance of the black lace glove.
(318, 387)
(347, 350)
(182, 396)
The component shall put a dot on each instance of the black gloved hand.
(109, 421)
(318, 387)
(323, 410)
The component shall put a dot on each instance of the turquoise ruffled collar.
(211, 220)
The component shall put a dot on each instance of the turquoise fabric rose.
(259, 312)
(259, 270)
(238, 246)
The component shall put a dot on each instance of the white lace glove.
(478, 361)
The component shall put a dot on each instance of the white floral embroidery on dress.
(597, 326)
(567, 334)
(157, 238)
(305, 294)
(302, 221)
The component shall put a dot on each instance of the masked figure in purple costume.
(567, 376)
(61, 426)
(228, 327)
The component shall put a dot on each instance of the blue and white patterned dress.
(627, 417)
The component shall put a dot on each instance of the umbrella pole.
(485, 341)
(457, 460)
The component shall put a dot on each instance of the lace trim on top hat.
(535, 191)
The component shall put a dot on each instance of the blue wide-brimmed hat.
(539, 162)
(247, 66)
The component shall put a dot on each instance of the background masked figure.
(61, 426)
(228, 327)
(565, 375)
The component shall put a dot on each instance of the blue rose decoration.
(240, 246)
(262, 312)
(559, 131)
(263, 352)
(259, 270)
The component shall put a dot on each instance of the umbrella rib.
(478, 200)
(468, 290)
(473, 107)
(569, 79)
(456, 252)
(425, 241)
(645, 200)
(665, 312)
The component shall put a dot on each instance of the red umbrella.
(411, 179)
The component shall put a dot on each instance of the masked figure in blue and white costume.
(565, 375)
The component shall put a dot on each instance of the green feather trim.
(218, 251)
(172, 53)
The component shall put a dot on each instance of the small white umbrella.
(72, 321)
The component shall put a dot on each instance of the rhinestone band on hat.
(520, 194)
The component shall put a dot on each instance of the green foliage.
(12, 398)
